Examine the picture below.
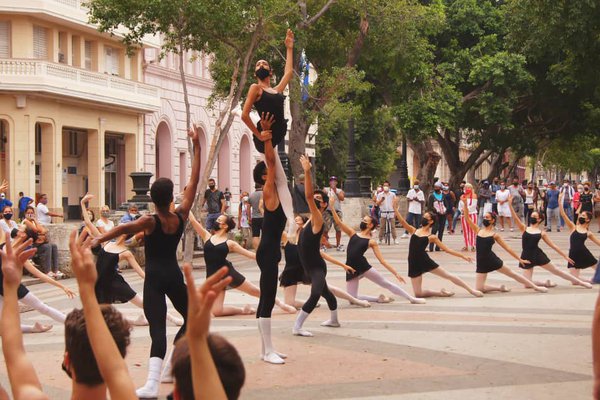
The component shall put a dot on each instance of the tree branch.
(314, 18)
(473, 94)
(359, 42)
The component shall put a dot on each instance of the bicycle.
(387, 235)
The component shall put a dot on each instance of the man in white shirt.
(415, 199)
(338, 194)
(44, 216)
(568, 192)
(385, 201)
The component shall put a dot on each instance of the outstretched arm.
(387, 265)
(563, 214)
(189, 194)
(515, 216)
(593, 238)
(86, 218)
(332, 260)
(466, 215)
(129, 228)
(23, 379)
(205, 377)
(550, 243)
(199, 228)
(510, 251)
(45, 278)
(441, 245)
(347, 230)
(289, 62)
(411, 229)
(110, 362)
(236, 248)
(309, 194)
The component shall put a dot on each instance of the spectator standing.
(244, 219)
(215, 204)
(484, 201)
(375, 211)
(457, 195)
(495, 186)
(24, 201)
(385, 201)
(227, 195)
(576, 201)
(450, 201)
(552, 211)
(569, 193)
(256, 215)
(504, 213)
(586, 200)
(437, 206)
(468, 201)
(338, 194)
(531, 199)
(44, 216)
(416, 200)
(299, 199)
(516, 191)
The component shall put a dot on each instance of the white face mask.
(245, 198)
(386, 189)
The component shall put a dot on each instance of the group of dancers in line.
(305, 263)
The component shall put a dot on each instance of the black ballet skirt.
(271, 103)
(215, 257)
(292, 273)
(357, 247)
(487, 260)
(531, 251)
(110, 287)
(419, 261)
(579, 253)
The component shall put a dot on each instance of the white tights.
(374, 276)
(32, 301)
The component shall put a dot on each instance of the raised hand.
(289, 39)
(13, 259)
(82, 262)
(201, 300)
(4, 185)
(306, 165)
(87, 197)
(193, 133)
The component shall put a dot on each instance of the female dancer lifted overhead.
(216, 249)
(532, 235)
(487, 260)
(162, 232)
(420, 263)
(580, 232)
(270, 100)
(357, 246)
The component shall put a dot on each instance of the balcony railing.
(63, 80)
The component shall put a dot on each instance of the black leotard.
(293, 273)
(268, 256)
(419, 261)
(579, 252)
(110, 286)
(487, 260)
(531, 251)
(215, 256)
(355, 258)
(271, 103)
(163, 277)
(309, 245)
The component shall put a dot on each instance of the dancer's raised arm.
(199, 228)
(466, 215)
(563, 214)
(24, 381)
(347, 230)
(289, 62)
(309, 193)
(516, 216)
(189, 194)
(411, 229)
(510, 251)
(332, 260)
(93, 230)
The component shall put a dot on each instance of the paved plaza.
(517, 345)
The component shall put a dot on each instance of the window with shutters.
(111, 60)
(4, 39)
(40, 43)
(88, 55)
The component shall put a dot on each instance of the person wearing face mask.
(531, 236)
(504, 214)
(385, 201)
(416, 200)
(569, 194)
(576, 201)
(131, 214)
(552, 211)
(267, 99)
(578, 251)
(358, 245)
(468, 200)
(375, 209)
(488, 261)
(457, 195)
(437, 207)
(494, 187)
(484, 201)
(531, 199)
(104, 224)
(586, 200)
(420, 263)
(516, 192)
(8, 223)
(245, 219)
(47, 252)
(215, 204)
(450, 201)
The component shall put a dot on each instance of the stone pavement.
(517, 345)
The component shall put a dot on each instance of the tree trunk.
(451, 151)
(428, 161)
(498, 165)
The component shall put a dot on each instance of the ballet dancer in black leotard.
(216, 249)
(310, 256)
(162, 232)
(268, 253)
(270, 100)
(358, 245)
(488, 261)
(420, 263)
(532, 235)
(580, 232)
(294, 274)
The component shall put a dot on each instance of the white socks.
(150, 389)
(297, 330)
(174, 320)
(166, 376)
(333, 321)
(268, 354)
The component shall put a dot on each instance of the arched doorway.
(245, 165)
(163, 151)
(224, 166)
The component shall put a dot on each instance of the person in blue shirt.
(131, 214)
(552, 212)
(24, 201)
(4, 201)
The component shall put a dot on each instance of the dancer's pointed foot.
(384, 299)
(360, 303)
(288, 309)
(504, 289)
(301, 332)
(331, 323)
(477, 293)
(273, 358)
(549, 284)
(248, 310)
(540, 289)
(418, 300)
(446, 293)
(39, 328)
